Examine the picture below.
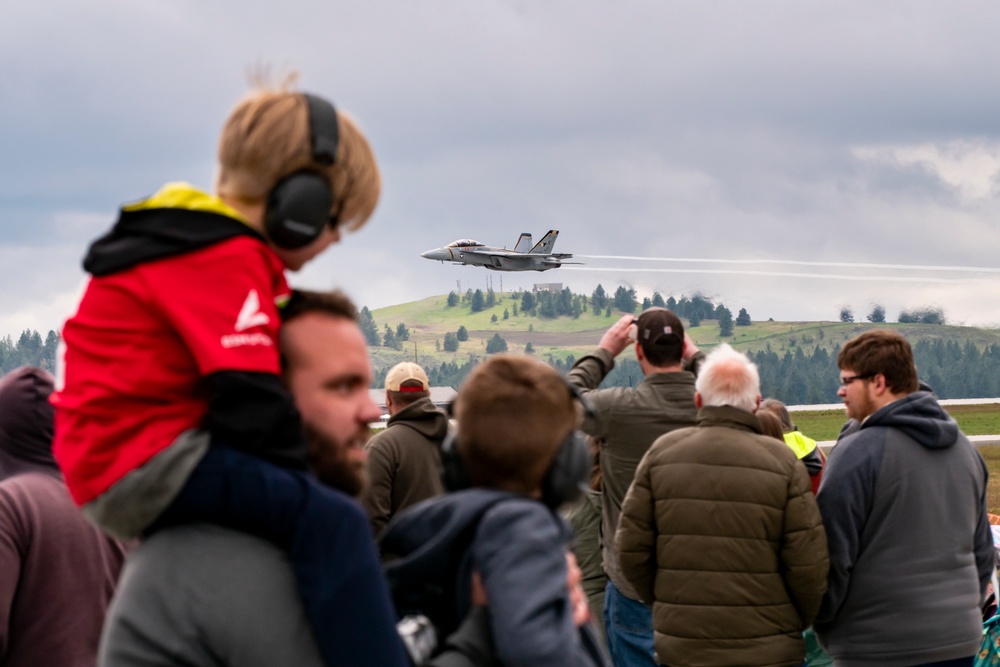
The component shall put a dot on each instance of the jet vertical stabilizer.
(546, 244)
(523, 243)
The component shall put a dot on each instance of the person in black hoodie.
(172, 409)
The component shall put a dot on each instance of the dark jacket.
(518, 547)
(404, 461)
(721, 534)
(903, 500)
(627, 422)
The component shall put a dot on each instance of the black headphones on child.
(566, 478)
(298, 206)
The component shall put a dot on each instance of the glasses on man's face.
(844, 381)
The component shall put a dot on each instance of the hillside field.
(430, 319)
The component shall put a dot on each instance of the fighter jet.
(524, 256)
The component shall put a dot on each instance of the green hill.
(428, 320)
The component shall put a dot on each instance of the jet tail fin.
(546, 244)
(523, 243)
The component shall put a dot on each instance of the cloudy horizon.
(848, 136)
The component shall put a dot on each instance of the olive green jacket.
(626, 422)
(721, 534)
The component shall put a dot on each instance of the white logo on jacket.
(250, 316)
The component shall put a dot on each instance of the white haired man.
(720, 532)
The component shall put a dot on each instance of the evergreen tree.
(743, 319)
(462, 334)
(528, 302)
(453, 299)
(478, 301)
(647, 303)
(672, 304)
(877, 315)
(846, 314)
(368, 326)
(529, 348)
(658, 301)
(725, 322)
(564, 302)
(450, 342)
(402, 333)
(496, 344)
(491, 298)
(624, 300)
(546, 305)
(389, 339)
(493, 318)
(599, 299)
(506, 313)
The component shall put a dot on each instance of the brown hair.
(334, 303)
(513, 413)
(770, 424)
(779, 410)
(881, 352)
(266, 138)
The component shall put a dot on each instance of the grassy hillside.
(430, 319)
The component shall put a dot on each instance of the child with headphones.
(497, 537)
(171, 407)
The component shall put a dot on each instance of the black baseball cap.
(659, 329)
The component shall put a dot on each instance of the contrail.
(784, 274)
(793, 262)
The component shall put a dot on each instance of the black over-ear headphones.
(298, 206)
(566, 478)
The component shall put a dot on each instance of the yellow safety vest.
(799, 443)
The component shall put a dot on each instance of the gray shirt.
(205, 596)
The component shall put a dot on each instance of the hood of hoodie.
(429, 542)
(26, 423)
(176, 220)
(920, 417)
(423, 417)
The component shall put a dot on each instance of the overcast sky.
(857, 137)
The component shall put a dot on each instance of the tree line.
(803, 377)
(29, 350)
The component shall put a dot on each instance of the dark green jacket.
(404, 461)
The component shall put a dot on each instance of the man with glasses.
(903, 500)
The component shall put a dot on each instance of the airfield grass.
(991, 454)
(973, 420)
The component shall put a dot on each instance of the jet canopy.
(463, 243)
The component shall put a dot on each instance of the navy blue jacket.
(518, 546)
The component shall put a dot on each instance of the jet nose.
(432, 254)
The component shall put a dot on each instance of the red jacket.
(177, 329)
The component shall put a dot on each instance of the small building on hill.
(548, 287)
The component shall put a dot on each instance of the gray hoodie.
(903, 501)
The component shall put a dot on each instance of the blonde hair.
(266, 138)
(513, 413)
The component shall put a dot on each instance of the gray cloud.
(727, 130)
